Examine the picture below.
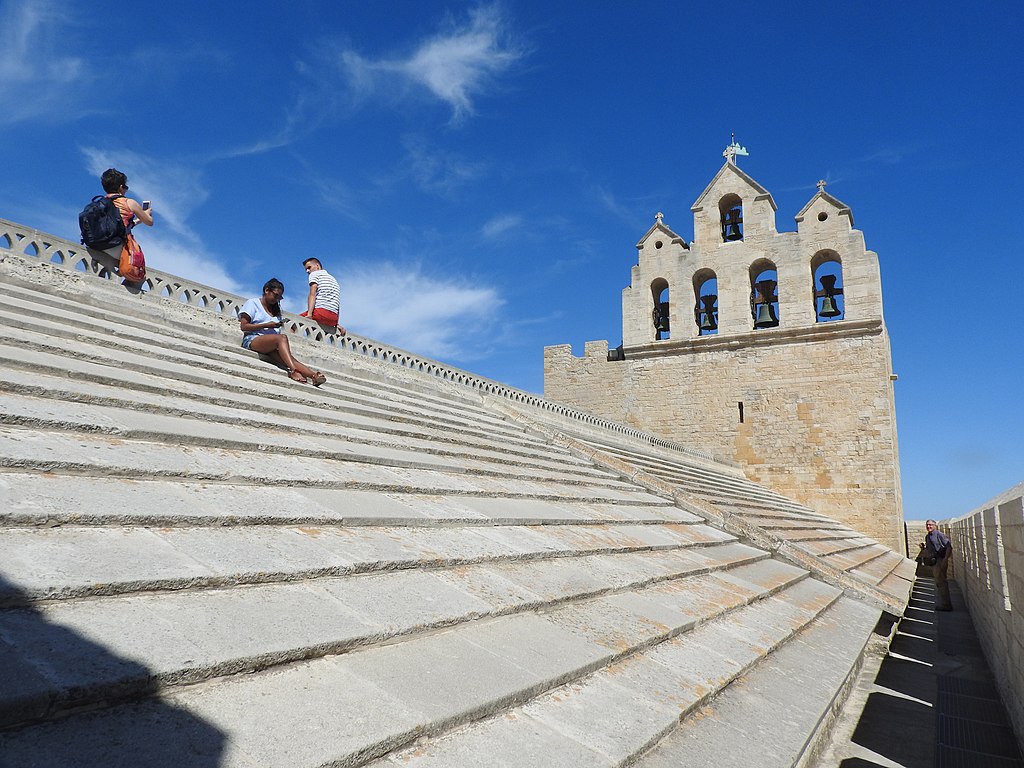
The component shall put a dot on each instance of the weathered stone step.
(767, 717)
(241, 381)
(38, 499)
(22, 449)
(853, 561)
(161, 640)
(52, 414)
(249, 413)
(613, 716)
(790, 521)
(75, 561)
(880, 568)
(433, 682)
(191, 398)
(821, 545)
(708, 482)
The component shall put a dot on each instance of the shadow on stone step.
(39, 658)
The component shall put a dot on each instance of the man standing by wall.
(324, 302)
(937, 544)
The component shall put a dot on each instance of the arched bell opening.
(660, 312)
(764, 294)
(829, 300)
(705, 310)
(730, 209)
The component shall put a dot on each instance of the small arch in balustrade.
(5, 242)
(167, 292)
(31, 249)
(58, 258)
(81, 265)
(203, 302)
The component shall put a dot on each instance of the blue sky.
(477, 175)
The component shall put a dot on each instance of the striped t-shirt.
(328, 295)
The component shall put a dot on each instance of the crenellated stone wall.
(988, 555)
(829, 445)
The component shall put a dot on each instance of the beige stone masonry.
(806, 408)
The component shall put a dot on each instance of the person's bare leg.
(275, 345)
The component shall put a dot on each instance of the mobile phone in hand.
(145, 205)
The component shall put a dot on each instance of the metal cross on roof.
(821, 185)
(733, 150)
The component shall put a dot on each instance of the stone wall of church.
(817, 424)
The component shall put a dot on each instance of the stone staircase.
(833, 551)
(203, 563)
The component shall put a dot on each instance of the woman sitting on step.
(261, 322)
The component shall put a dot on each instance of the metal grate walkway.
(931, 701)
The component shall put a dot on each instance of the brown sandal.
(296, 376)
(318, 378)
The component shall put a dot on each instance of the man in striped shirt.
(324, 302)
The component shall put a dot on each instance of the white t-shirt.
(328, 294)
(254, 309)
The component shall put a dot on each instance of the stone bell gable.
(761, 347)
(660, 251)
(731, 187)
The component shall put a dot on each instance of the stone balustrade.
(30, 244)
(988, 555)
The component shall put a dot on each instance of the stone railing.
(32, 244)
(988, 556)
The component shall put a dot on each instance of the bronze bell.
(829, 308)
(765, 318)
(661, 317)
(731, 226)
(709, 321)
(828, 292)
(762, 297)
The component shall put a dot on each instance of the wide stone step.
(363, 704)
(371, 467)
(709, 482)
(238, 381)
(46, 499)
(767, 717)
(209, 405)
(613, 716)
(75, 561)
(90, 382)
(854, 560)
(274, 438)
(165, 639)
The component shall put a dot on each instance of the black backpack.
(102, 224)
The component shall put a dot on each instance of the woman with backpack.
(131, 262)
(260, 320)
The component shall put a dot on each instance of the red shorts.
(323, 316)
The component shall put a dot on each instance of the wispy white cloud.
(402, 306)
(37, 75)
(456, 65)
(303, 116)
(171, 245)
(501, 225)
(436, 170)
